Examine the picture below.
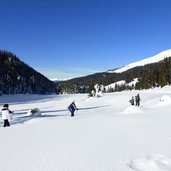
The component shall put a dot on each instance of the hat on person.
(5, 105)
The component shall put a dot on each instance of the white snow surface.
(122, 82)
(106, 133)
(159, 57)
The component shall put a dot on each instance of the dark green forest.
(157, 75)
(149, 76)
(16, 77)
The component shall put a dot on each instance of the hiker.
(137, 100)
(72, 107)
(132, 101)
(6, 115)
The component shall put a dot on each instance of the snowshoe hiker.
(137, 100)
(72, 107)
(132, 101)
(6, 115)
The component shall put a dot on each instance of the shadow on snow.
(20, 116)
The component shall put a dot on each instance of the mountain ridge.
(16, 77)
(149, 60)
(150, 72)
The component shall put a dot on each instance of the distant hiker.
(72, 107)
(132, 100)
(6, 115)
(137, 100)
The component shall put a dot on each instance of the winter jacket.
(6, 113)
(132, 101)
(137, 98)
(72, 107)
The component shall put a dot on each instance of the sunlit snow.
(106, 134)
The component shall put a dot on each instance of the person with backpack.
(6, 115)
(137, 100)
(132, 101)
(72, 107)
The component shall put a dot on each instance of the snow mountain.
(156, 58)
(150, 72)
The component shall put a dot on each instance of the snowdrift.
(164, 100)
(151, 163)
(132, 110)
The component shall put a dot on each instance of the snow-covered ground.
(122, 82)
(106, 134)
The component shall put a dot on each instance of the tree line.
(149, 76)
(16, 77)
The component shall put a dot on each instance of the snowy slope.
(143, 62)
(122, 82)
(60, 79)
(106, 134)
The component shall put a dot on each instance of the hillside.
(150, 72)
(16, 77)
(154, 59)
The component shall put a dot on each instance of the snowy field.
(106, 134)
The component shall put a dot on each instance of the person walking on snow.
(137, 100)
(6, 115)
(132, 101)
(72, 107)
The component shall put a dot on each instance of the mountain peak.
(152, 59)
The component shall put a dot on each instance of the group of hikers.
(135, 101)
(7, 113)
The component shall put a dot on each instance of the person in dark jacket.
(137, 100)
(6, 115)
(72, 107)
(132, 101)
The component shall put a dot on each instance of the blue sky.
(71, 38)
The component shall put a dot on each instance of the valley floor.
(106, 134)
